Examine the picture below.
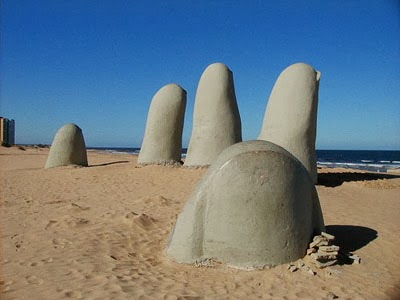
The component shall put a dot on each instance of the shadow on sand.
(336, 179)
(351, 238)
(110, 163)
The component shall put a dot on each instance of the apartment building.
(7, 131)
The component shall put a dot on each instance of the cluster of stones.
(321, 252)
(293, 267)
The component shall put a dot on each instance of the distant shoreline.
(367, 160)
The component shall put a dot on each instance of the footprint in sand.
(35, 263)
(78, 208)
(73, 294)
(159, 200)
(144, 221)
(67, 221)
(60, 242)
(34, 280)
(51, 224)
(5, 285)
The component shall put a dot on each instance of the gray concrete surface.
(256, 206)
(291, 114)
(162, 143)
(68, 148)
(216, 118)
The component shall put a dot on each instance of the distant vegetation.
(23, 147)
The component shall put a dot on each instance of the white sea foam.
(328, 161)
(374, 167)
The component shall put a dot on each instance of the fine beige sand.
(101, 233)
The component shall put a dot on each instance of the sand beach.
(101, 232)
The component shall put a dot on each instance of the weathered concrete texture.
(68, 148)
(216, 119)
(291, 115)
(162, 143)
(256, 206)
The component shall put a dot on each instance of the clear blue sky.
(98, 63)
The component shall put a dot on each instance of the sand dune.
(101, 233)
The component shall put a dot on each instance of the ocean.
(370, 160)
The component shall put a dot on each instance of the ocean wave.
(375, 167)
(378, 161)
(134, 151)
